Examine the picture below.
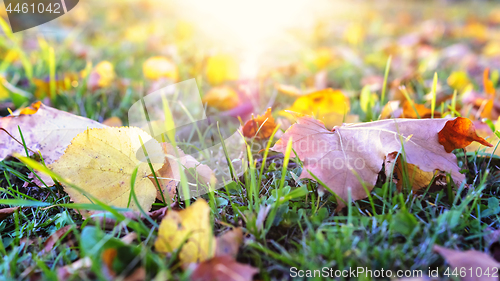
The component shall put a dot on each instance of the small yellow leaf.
(327, 105)
(458, 80)
(322, 57)
(102, 75)
(221, 68)
(101, 162)
(191, 226)
(158, 67)
(223, 98)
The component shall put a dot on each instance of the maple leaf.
(101, 162)
(342, 157)
(192, 226)
(261, 127)
(44, 128)
(469, 259)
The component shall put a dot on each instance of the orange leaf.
(423, 112)
(261, 127)
(32, 109)
(488, 84)
(489, 89)
(459, 133)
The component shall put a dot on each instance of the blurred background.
(102, 55)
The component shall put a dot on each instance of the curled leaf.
(261, 127)
(459, 133)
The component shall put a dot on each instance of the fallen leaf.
(418, 179)
(61, 84)
(5, 212)
(101, 162)
(327, 105)
(223, 98)
(192, 226)
(322, 57)
(137, 275)
(113, 122)
(204, 173)
(44, 128)
(158, 67)
(340, 156)
(101, 76)
(458, 80)
(414, 111)
(469, 259)
(220, 68)
(261, 127)
(108, 256)
(32, 109)
(223, 268)
(65, 272)
(391, 110)
(229, 243)
(55, 237)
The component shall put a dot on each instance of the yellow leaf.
(102, 75)
(101, 162)
(191, 226)
(458, 80)
(492, 49)
(160, 67)
(222, 97)
(327, 105)
(221, 68)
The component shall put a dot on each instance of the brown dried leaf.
(5, 212)
(229, 243)
(469, 259)
(223, 268)
(55, 237)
